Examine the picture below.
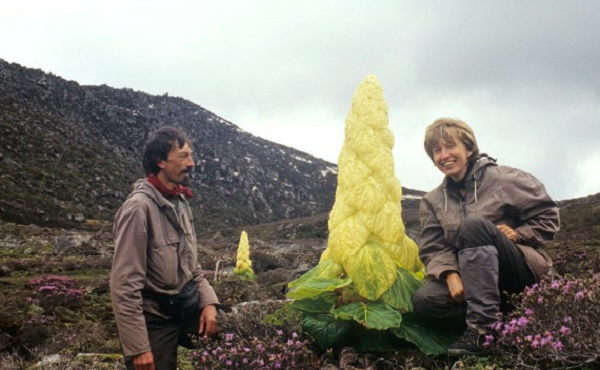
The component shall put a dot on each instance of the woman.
(482, 231)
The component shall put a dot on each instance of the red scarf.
(166, 192)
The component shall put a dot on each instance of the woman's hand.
(455, 286)
(509, 232)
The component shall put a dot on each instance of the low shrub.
(280, 352)
(555, 324)
(55, 291)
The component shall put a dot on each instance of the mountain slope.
(70, 152)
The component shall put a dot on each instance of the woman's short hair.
(450, 129)
(159, 145)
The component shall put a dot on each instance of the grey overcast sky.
(524, 74)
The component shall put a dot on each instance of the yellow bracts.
(366, 232)
(243, 266)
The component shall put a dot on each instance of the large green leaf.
(399, 295)
(371, 340)
(372, 270)
(373, 315)
(317, 286)
(327, 331)
(321, 304)
(430, 339)
(325, 269)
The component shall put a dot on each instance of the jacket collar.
(476, 171)
(145, 187)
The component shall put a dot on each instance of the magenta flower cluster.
(554, 322)
(54, 291)
(233, 351)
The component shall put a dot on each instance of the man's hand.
(208, 321)
(455, 286)
(144, 361)
(510, 233)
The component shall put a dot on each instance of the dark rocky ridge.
(70, 153)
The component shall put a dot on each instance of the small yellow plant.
(243, 266)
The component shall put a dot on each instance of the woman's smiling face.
(452, 158)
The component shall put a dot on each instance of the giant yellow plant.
(366, 233)
(243, 265)
(370, 268)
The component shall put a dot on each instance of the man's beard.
(186, 179)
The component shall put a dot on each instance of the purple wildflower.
(565, 330)
(522, 321)
(47, 288)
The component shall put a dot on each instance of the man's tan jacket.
(155, 249)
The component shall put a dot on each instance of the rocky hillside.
(69, 154)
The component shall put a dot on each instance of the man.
(158, 292)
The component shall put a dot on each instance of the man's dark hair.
(159, 145)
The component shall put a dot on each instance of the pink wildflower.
(565, 330)
(522, 321)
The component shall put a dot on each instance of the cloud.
(523, 74)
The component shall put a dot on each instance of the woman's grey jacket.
(500, 194)
(156, 251)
